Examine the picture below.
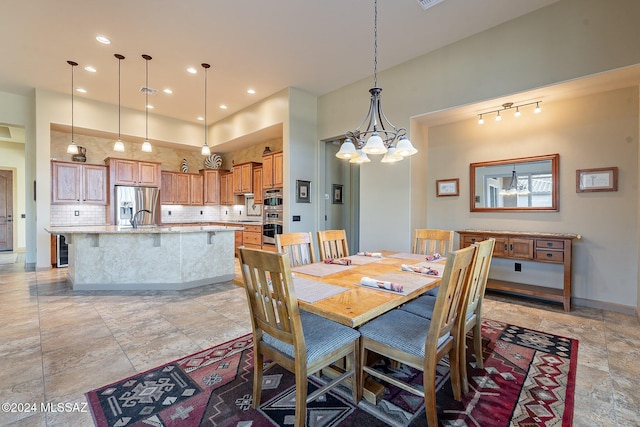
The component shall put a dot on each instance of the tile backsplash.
(70, 215)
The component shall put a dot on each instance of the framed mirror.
(526, 184)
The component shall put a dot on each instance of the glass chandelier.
(380, 136)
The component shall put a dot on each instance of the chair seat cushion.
(433, 292)
(402, 330)
(421, 306)
(321, 336)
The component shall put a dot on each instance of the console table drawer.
(549, 256)
(470, 240)
(550, 244)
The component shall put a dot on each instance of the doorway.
(341, 210)
(6, 210)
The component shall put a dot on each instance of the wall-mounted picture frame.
(597, 179)
(448, 187)
(303, 191)
(337, 194)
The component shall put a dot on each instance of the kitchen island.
(148, 258)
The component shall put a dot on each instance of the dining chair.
(299, 246)
(332, 244)
(472, 306)
(299, 341)
(419, 342)
(428, 241)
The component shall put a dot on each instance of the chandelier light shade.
(509, 106)
(72, 148)
(514, 188)
(376, 134)
(146, 145)
(206, 151)
(119, 145)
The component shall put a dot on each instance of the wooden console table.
(529, 246)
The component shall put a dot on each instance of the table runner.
(320, 269)
(311, 291)
(409, 281)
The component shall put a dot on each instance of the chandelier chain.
(375, 43)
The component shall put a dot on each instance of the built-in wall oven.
(273, 217)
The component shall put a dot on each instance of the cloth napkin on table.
(433, 257)
(371, 254)
(338, 261)
(422, 270)
(390, 286)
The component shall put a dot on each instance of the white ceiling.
(316, 46)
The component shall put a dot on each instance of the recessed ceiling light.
(192, 70)
(103, 40)
(168, 91)
(81, 90)
(201, 118)
(251, 91)
(150, 106)
(90, 69)
(223, 107)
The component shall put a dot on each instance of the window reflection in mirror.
(523, 184)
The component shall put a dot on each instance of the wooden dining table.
(359, 304)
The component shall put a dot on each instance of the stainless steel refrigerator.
(130, 201)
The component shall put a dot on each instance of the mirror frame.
(555, 162)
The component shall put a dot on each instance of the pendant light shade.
(206, 151)
(119, 145)
(347, 150)
(146, 145)
(72, 148)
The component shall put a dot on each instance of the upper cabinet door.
(211, 191)
(267, 171)
(196, 188)
(124, 172)
(94, 184)
(277, 170)
(148, 174)
(65, 182)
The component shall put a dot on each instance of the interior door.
(6, 210)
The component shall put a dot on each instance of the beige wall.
(593, 131)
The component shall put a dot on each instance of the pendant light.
(206, 151)
(119, 145)
(72, 148)
(146, 145)
(380, 134)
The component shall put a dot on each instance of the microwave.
(272, 199)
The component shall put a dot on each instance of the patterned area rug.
(528, 380)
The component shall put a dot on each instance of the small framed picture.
(303, 191)
(447, 187)
(337, 194)
(599, 179)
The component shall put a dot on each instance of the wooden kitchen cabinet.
(196, 182)
(211, 190)
(133, 172)
(243, 177)
(252, 236)
(226, 188)
(258, 194)
(78, 183)
(533, 246)
(272, 176)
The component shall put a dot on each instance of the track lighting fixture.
(509, 106)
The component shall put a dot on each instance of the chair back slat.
(429, 241)
(333, 244)
(299, 246)
(479, 276)
(447, 307)
(272, 300)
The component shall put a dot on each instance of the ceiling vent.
(149, 90)
(426, 4)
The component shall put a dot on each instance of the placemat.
(409, 281)
(320, 269)
(362, 260)
(311, 291)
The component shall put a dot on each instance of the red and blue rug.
(528, 380)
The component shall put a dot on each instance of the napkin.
(433, 257)
(371, 254)
(390, 286)
(338, 261)
(422, 270)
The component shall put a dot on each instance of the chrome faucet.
(133, 221)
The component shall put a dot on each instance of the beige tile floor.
(56, 344)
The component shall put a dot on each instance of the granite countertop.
(162, 229)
